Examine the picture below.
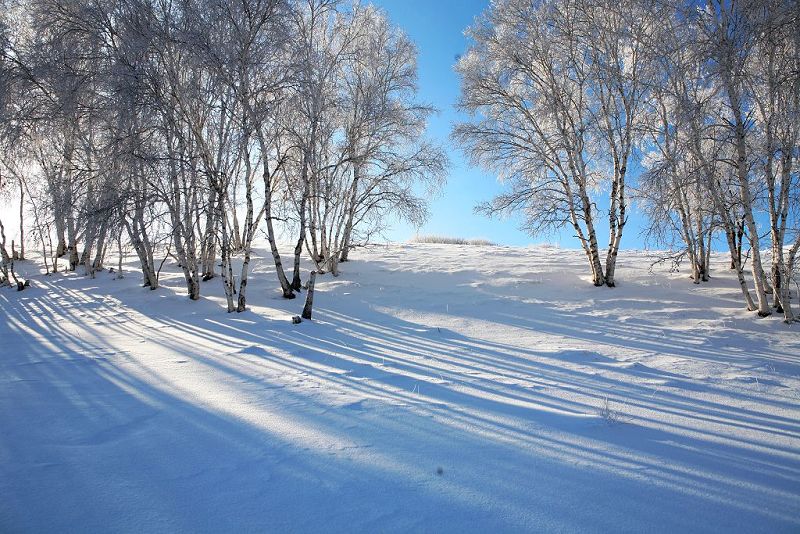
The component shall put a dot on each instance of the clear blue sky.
(437, 27)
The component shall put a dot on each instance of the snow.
(439, 388)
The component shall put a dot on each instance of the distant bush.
(444, 240)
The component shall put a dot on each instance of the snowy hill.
(439, 388)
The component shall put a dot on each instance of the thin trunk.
(286, 287)
(241, 304)
(298, 248)
(746, 195)
(148, 268)
(249, 232)
(21, 221)
(237, 236)
(97, 264)
(61, 240)
(593, 253)
(617, 217)
(707, 261)
(701, 252)
(209, 251)
(120, 259)
(225, 252)
(351, 212)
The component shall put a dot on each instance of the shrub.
(444, 240)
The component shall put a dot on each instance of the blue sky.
(437, 27)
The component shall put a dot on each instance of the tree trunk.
(140, 247)
(737, 265)
(746, 195)
(209, 250)
(225, 252)
(309, 296)
(97, 264)
(598, 278)
(297, 284)
(286, 287)
(247, 241)
(351, 213)
(61, 240)
(21, 221)
(120, 259)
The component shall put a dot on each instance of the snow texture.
(439, 388)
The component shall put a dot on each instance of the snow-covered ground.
(439, 388)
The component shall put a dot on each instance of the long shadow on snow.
(409, 368)
(88, 445)
(480, 392)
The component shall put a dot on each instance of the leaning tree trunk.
(187, 258)
(141, 246)
(737, 265)
(746, 196)
(286, 287)
(756, 266)
(593, 252)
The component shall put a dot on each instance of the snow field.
(440, 388)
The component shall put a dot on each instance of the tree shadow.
(238, 421)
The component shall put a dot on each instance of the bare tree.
(359, 149)
(726, 37)
(673, 190)
(556, 90)
(774, 85)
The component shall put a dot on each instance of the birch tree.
(673, 189)
(555, 90)
(773, 80)
(263, 68)
(360, 144)
(383, 127)
(727, 36)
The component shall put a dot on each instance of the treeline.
(689, 109)
(193, 126)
